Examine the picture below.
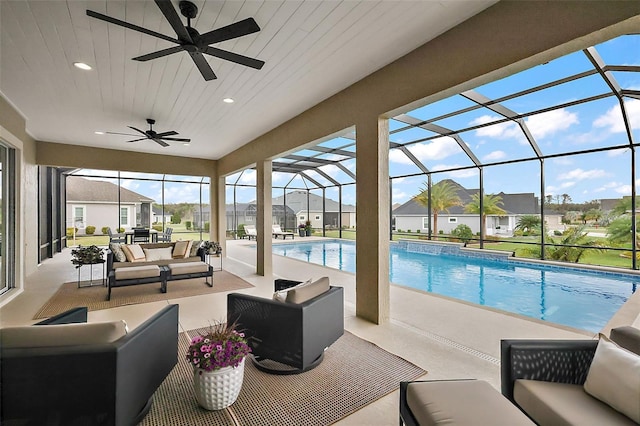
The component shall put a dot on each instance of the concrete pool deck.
(447, 338)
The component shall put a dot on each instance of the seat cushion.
(559, 404)
(188, 268)
(461, 402)
(137, 272)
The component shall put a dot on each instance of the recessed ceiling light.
(99, 133)
(82, 66)
(228, 100)
(186, 143)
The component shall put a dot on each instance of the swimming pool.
(563, 295)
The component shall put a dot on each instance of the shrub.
(188, 225)
(557, 233)
(418, 231)
(176, 219)
(462, 232)
(70, 232)
(206, 227)
(157, 227)
(440, 231)
(105, 230)
(90, 230)
(240, 230)
(120, 230)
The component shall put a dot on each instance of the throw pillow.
(118, 254)
(194, 248)
(134, 253)
(281, 295)
(301, 294)
(614, 378)
(180, 249)
(158, 254)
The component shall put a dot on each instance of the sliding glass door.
(7, 218)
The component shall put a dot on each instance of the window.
(79, 216)
(425, 223)
(317, 217)
(124, 216)
(302, 218)
(7, 218)
(453, 220)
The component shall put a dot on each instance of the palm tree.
(443, 197)
(490, 205)
(528, 223)
(566, 198)
(573, 236)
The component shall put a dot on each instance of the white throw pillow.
(282, 294)
(614, 378)
(181, 249)
(157, 254)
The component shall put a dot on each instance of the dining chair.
(140, 235)
(116, 238)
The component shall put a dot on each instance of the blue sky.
(571, 128)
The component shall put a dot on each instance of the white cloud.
(606, 186)
(617, 152)
(563, 161)
(548, 123)
(612, 119)
(623, 189)
(505, 130)
(561, 188)
(579, 174)
(460, 174)
(495, 155)
(399, 197)
(436, 149)
(248, 177)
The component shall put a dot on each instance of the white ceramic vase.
(218, 389)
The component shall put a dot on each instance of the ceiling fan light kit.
(190, 40)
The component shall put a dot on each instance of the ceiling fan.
(190, 40)
(151, 134)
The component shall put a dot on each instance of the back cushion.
(152, 255)
(134, 253)
(301, 294)
(182, 249)
(62, 334)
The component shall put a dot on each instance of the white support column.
(221, 209)
(264, 261)
(372, 218)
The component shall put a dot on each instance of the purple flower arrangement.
(222, 346)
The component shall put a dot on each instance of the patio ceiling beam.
(336, 151)
(327, 177)
(346, 171)
(315, 182)
(631, 93)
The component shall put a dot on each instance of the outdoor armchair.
(107, 379)
(116, 238)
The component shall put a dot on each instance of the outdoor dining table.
(153, 236)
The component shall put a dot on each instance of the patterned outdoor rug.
(354, 373)
(95, 298)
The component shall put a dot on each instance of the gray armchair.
(108, 383)
(285, 337)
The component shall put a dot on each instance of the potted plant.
(307, 228)
(87, 255)
(212, 247)
(217, 358)
(302, 230)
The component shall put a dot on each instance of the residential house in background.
(413, 216)
(159, 217)
(309, 206)
(100, 203)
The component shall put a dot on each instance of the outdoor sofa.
(156, 263)
(66, 371)
(551, 382)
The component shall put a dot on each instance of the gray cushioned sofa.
(127, 273)
(546, 378)
(87, 374)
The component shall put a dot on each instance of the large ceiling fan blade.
(177, 139)
(203, 66)
(163, 134)
(130, 26)
(118, 133)
(235, 30)
(138, 130)
(160, 142)
(138, 140)
(174, 20)
(158, 54)
(234, 57)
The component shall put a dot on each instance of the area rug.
(95, 298)
(354, 373)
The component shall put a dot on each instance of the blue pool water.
(567, 296)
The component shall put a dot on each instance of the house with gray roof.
(100, 203)
(309, 206)
(413, 216)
